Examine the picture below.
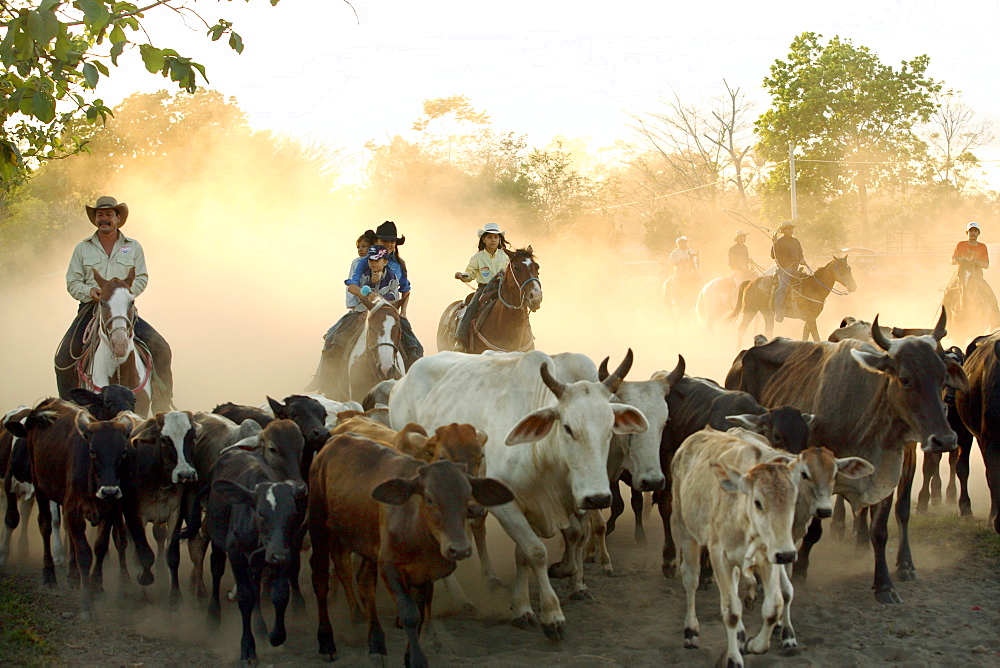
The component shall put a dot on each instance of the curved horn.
(677, 373)
(602, 371)
(554, 385)
(877, 336)
(939, 329)
(614, 380)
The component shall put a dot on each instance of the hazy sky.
(541, 68)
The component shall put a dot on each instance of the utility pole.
(791, 176)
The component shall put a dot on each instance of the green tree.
(54, 54)
(849, 117)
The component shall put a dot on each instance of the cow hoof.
(248, 663)
(494, 583)
(49, 578)
(590, 559)
(582, 595)
(559, 570)
(965, 510)
(668, 571)
(145, 578)
(377, 660)
(326, 644)
(704, 585)
(888, 597)
(640, 540)
(277, 637)
(555, 632)
(469, 608)
(690, 639)
(799, 576)
(298, 602)
(922, 508)
(526, 621)
(609, 572)
(729, 662)
(906, 574)
(749, 603)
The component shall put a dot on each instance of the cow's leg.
(197, 547)
(772, 609)
(929, 469)
(575, 537)
(885, 591)
(617, 506)
(246, 592)
(58, 549)
(788, 639)
(478, 528)
(530, 554)
(637, 503)
(174, 553)
(344, 570)
(22, 543)
(991, 457)
(409, 615)
(100, 552)
(367, 579)
(800, 571)
(664, 502)
(218, 567)
(905, 569)
(11, 518)
(838, 525)
(862, 532)
(690, 567)
(598, 532)
(45, 529)
(952, 490)
(121, 544)
(160, 536)
(280, 595)
(136, 527)
(962, 471)
(84, 558)
(727, 578)
(319, 563)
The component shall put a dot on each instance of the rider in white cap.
(488, 263)
(977, 255)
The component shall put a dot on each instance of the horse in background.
(681, 290)
(805, 299)
(112, 356)
(501, 325)
(970, 303)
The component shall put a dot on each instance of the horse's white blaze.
(387, 353)
(176, 426)
(119, 303)
(270, 498)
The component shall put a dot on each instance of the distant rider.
(739, 259)
(787, 253)
(978, 256)
(488, 263)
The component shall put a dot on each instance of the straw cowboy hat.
(739, 233)
(786, 225)
(108, 202)
(491, 228)
(387, 232)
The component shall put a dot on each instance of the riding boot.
(161, 381)
(463, 334)
(412, 350)
(71, 349)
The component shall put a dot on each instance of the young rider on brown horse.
(488, 263)
(113, 255)
(976, 253)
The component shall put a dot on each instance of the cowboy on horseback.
(111, 254)
(787, 253)
(486, 266)
(974, 255)
(739, 259)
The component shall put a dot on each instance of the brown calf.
(413, 540)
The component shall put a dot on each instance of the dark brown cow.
(979, 407)
(413, 540)
(868, 403)
(83, 465)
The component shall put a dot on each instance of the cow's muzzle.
(945, 443)
(823, 513)
(108, 493)
(651, 484)
(785, 557)
(185, 474)
(276, 557)
(456, 553)
(596, 501)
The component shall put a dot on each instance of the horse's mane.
(523, 253)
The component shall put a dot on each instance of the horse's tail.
(740, 298)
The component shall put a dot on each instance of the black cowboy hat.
(108, 202)
(387, 232)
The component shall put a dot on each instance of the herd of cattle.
(742, 476)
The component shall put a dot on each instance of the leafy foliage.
(54, 54)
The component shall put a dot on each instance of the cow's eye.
(805, 475)
(757, 503)
(905, 382)
(568, 431)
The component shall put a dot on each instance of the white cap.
(971, 225)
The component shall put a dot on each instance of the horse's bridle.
(373, 359)
(108, 327)
(520, 289)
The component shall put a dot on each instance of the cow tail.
(193, 519)
(740, 297)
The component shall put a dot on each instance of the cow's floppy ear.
(16, 428)
(854, 467)
(277, 408)
(730, 479)
(415, 444)
(874, 362)
(233, 492)
(955, 376)
(396, 491)
(82, 420)
(82, 396)
(533, 427)
(490, 492)
(247, 429)
(628, 420)
(482, 436)
(809, 419)
(751, 422)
